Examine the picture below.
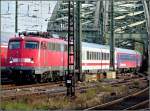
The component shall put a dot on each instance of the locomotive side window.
(50, 46)
(53, 46)
(14, 45)
(57, 47)
(43, 45)
(31, 45)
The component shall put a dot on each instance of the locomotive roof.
(35, 38)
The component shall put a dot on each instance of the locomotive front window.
(31, 45)
(14, 45)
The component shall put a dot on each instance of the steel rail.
(138, 105)
(111, 103)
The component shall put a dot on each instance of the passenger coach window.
(31, 45)
(14, 44)
(88, 55)
(102, 56)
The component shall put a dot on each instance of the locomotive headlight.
(11, 60)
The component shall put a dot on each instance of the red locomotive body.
(37, 58)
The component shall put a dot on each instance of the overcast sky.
(32, 15)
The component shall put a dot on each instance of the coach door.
(44, 59)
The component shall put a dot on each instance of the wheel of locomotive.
(17, 78)
(35, 80)
(49, 76)
(45, 77)
(42, 78)
(38, 78)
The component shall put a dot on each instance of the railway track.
(11, 85)
(129, 81)
(36, 91)
(141, 105)
(14, 86)
(126, 81)
(138, 100)
(47, 88)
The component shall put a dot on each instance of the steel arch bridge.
(130, 17)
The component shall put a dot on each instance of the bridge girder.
(147, 15)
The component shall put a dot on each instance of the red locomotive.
(37, 58)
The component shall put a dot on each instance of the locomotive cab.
(22, 56)
(37, 59)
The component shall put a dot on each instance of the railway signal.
(70, 79)
(74, 49)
